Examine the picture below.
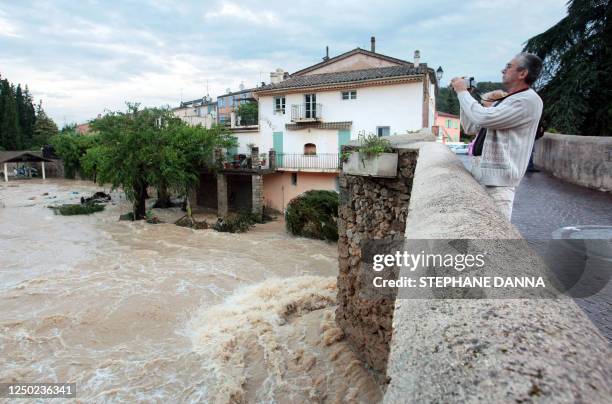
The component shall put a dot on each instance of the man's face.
(513, 74)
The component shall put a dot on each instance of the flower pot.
(383, 165)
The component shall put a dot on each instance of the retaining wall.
(582, 160)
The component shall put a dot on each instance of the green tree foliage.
(18, 119)
(71, 147)
(44, 128)
(248, 113)
(314, 214)
(447, 98)
(151, 146)
(577, 76)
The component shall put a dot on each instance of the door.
(277, 144)
(310, 102)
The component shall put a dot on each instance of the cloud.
(232, 10)
(7, 28)
(84, 57)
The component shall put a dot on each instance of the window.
(310, 149)
(279, 105)
(293, 178)
(310, 101)
(383, 131)
(349, 95)
(221, 102)
(449, 123)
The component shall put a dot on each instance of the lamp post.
(439, 74)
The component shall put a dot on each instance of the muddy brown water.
(134, 312)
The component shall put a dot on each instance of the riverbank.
(132, 311)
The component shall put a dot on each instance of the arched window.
(310, 149)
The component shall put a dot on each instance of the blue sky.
(84, 57)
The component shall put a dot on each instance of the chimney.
(326, 53)
(417, 58)
(277, 76)
(373, 44)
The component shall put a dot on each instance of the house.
(230, 102)
(448, 127)
(307, 116)
(199, 111)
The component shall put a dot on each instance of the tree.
(577, 75)
(71, 148)
(44, 128)
(248, 113)
(10, 133)
(151, 146)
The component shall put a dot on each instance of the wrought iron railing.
(327, 161)
(306, 112)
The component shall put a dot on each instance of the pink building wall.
(279, 190)
(443, 121)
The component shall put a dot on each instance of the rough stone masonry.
(370, 209)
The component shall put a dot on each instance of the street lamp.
(439, 73)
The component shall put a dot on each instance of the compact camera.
(470, 83)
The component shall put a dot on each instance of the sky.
(82, 58)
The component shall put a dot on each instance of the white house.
(199, 111)
(307, 116)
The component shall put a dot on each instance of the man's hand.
(458, 84)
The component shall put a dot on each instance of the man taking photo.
(506, 130)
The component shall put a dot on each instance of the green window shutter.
(344, 136)
(277, 144)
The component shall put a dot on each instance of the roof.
(21, 156)
(248, 90)
(440, 113)
(199, 101)
(349, 54)
(352, 76)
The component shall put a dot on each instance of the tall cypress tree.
(44, 128)
(577, 76)
(9, 128)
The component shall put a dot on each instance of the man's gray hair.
(532, 63)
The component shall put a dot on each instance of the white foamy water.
(158, 313)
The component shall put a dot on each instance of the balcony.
(306, 112)
(322, 162)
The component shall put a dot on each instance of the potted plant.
(373, 158)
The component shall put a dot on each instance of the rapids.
(135, 312)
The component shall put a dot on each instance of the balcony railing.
(322, 161)
(306, 112)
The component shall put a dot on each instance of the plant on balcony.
(248, 113)
(314, 214)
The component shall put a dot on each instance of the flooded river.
(134, 312)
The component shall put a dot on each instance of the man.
(510, 126)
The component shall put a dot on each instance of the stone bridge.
(495, 348)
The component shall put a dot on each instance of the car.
(459, 148)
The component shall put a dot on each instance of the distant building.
(82, 129)
(201, 111)
(229, 103)
(448, 127)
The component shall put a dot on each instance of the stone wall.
(486, 350)
(370, 209)
(582, 160)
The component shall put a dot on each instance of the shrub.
(314, 214)
(237, 222)
(77, 209)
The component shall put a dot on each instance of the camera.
(470, 83)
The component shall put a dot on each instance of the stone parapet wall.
(370, 209)
(582, 160)
(486, 350)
